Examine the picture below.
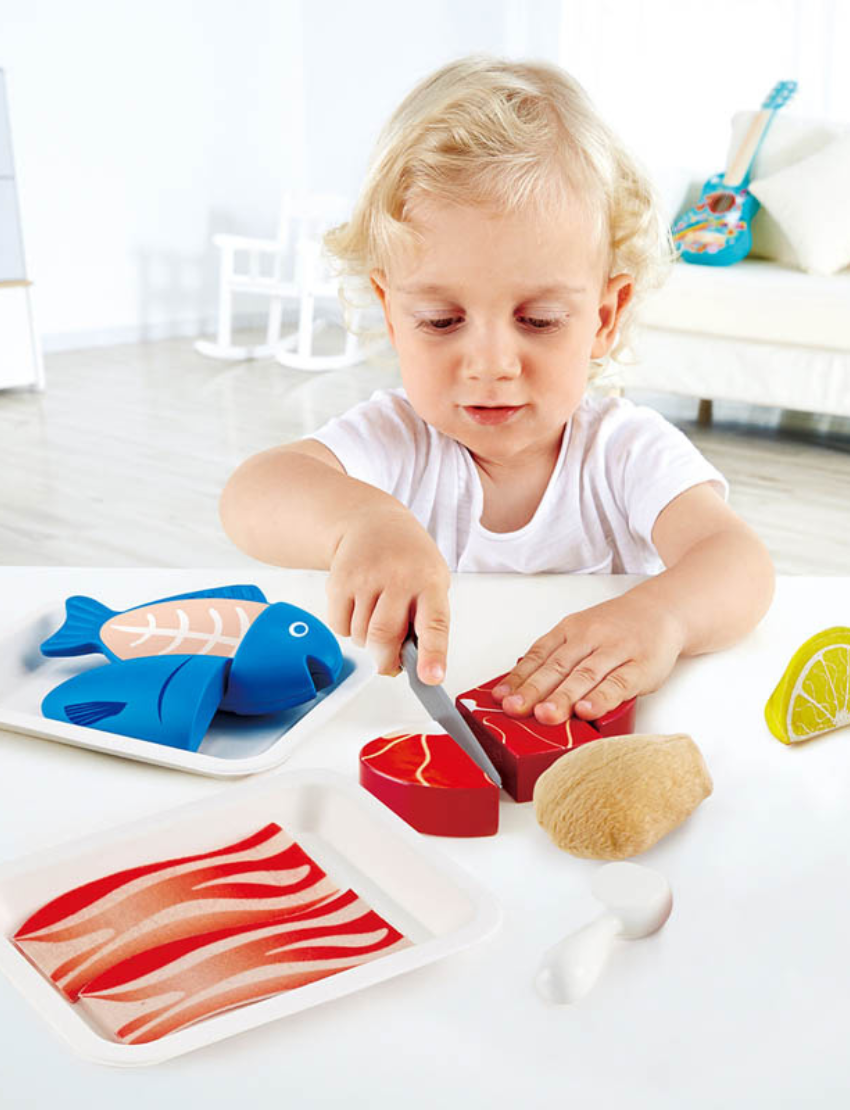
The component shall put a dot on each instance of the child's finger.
(388, 627)
(582, 685)
(613, 690)
(340, 611)
(361, 615)
(431, 624)
(542, 679)
(536, 658)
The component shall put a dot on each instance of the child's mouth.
(488, 414)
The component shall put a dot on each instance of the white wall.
(141, 128)
(361, 59)
(668, 75)
(138, 129)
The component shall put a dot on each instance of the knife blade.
(444, 712)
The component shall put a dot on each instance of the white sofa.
(765, 330)
(758, 332)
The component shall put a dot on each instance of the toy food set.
(619, 796)
(217, 681)
(638, 902)
(143, 942)
(813, 695)
(446, 784)
(716, 231)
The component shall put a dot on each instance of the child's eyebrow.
(532, 294)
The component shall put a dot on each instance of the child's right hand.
(386, 574)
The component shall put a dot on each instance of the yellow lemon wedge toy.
(813, 695)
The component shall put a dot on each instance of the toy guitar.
(716, 231)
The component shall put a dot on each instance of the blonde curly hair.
(504, 135)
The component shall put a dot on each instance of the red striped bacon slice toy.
(216, 908)
(176, 984)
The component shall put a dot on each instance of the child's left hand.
(593, 660)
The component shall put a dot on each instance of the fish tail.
(80, 634)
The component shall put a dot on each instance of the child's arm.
(295, 506)
(717, 586)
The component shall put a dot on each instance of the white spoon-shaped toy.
(638, 901)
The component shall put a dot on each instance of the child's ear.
(615, 296)
(380, 284)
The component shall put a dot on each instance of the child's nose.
(491, 353)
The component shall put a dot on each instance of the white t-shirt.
(619, 465)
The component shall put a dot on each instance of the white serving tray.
(232, 746)
(358, 841)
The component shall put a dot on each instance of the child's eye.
(439, 325)
(539, 322)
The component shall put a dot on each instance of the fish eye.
(299, 628)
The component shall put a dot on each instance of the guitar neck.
(742, 160)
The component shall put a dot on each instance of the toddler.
(507, 236)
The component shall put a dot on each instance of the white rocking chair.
(303, 220)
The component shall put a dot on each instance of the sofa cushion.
(789, 139)
(754, 299)
(810, 201)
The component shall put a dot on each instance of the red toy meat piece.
(521, 748)
(431, 783)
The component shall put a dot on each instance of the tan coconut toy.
(618, 796)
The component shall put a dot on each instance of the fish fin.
(80, 634)
(238, 593)
(164, 699)
(89, 713)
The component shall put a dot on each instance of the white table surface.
(740, 1001)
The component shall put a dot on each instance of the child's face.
(495, 321)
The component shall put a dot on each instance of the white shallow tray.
(232, 746)
(360, 844)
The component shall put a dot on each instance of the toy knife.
(441, 708)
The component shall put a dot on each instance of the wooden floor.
(121, 461)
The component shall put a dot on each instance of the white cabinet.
(19, 361)
(11, 248)
(20, 349)
(6, 166)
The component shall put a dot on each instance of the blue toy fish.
(176, 661)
